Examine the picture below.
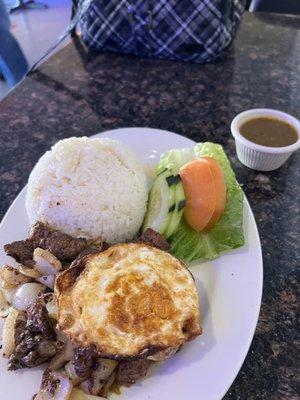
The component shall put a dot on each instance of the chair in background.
(276, 6)
(13, 65)
(27, 5)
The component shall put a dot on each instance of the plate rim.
(251, 334)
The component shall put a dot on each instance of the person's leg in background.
(13, 64)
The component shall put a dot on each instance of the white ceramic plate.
(230, 291)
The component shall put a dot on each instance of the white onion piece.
(45, 262)
(65, 387)
(78, 394)
(84, 386)
(70, 370)
(12, 277)
(9, 294)
(31, 272)
(62, 392)
(4, 306)
(47, 280)
(109, 382)
(51, 304)
(26, 294)
(8, 336)
(62, 358)
(101, 373)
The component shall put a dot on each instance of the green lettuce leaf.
(227, 234)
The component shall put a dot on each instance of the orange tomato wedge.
(220, 187)
(205, 193)
(200, 193)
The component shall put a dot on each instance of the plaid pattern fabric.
(188, 30)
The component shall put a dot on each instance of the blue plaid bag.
(187, 30)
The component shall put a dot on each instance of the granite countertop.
(79, 93)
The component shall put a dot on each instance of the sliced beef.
(32, 350)
(83, 361)
(68, 277)
(154, 239)
(19, 328)
(21, 251)
(94, 248)
(63, 246)
(38, 320)
(35, 338)
(132, 370)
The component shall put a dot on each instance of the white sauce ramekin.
(256, 156)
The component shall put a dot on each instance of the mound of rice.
(89, 188)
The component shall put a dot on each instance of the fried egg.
(131, 300)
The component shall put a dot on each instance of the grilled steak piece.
(19, 328)
(68, 277)
(33, 350)
(83, 361)
(35, 338)
(154, 239)
(94, 248)
(132, 370)
(63, 246)
(21, 251)
(38, 320)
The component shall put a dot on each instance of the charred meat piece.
(44, 351)
(61, 245)
(35, 338)
(154, 239)
(19, 328)
(83, 361)
(39, 321)
(68, 277)
(130, 371)
(32, 350)
(94, 248)
(21, 251)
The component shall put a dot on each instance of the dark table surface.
(78, 93)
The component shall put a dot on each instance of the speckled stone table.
(80, 93)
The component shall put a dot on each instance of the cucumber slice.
(176, 210)
(161, 200)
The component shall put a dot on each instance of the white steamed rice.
(89, 187)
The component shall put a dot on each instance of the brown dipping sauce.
(268, 131)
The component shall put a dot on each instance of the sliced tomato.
(200, 193)
(220, 188)
(205, 193)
